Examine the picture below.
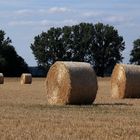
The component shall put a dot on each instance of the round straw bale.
(125, 81)
(26, 78)
(71, 83)
(1, 78)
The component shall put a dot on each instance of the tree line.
(99, 44)
(11, 64)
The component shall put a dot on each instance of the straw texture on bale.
(26, 78)
(125, 81)
(71, 83)
(1, 78)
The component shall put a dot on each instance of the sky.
(22, 20)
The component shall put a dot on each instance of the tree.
(135, 53)
(106, 48)
(11, 64)
(97, 44)
(47, 47)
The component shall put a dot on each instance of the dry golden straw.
(1, 78)
(71, 83)
(125, 81)
(26, 78)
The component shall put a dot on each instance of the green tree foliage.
(135, 53)
(11, 64)
(98, 44)
(107, 47)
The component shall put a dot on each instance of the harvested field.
(24, 114)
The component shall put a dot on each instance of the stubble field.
(24, 114)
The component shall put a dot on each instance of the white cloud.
(122, 20)
(30, 23)
(68, 22)
(22, 23)
(92, 14)
(24, 12)
(106, 17)
(58, 10)
(28, 12)
(48, 23)
(45, 23)
(115, 18)
(41, 12)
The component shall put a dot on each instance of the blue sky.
(22, 20)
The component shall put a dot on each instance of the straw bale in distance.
(1, 78)
(26, 78)
(71, 83)
(125, 81)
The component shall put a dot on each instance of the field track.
(25, 115)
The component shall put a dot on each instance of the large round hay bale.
(1, 78)
(26, 78)
(125, 81)
(71, 83)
